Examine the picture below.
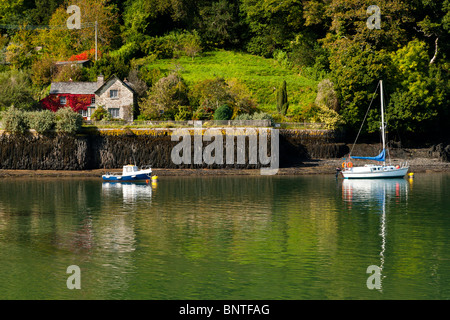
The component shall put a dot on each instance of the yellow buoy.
(411, 174)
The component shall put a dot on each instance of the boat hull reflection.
(362, 190)
(129, 191)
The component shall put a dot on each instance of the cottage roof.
(110, 82)
(73, 87)
(72, 62)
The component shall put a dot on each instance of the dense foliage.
(319, 39)
(223, 113)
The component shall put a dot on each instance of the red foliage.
(77, 102)
(86, 55)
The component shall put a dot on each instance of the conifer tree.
(282, 99)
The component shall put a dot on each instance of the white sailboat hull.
(374, 172)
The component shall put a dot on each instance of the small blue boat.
(130, 173)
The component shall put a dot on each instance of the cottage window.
(114, 112)
(84, 113)
(93, 101)
(114, 94)
(63, 100)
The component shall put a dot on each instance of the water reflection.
(380, 192)
(129, 192)
(365, 192)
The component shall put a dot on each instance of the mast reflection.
(378, 192)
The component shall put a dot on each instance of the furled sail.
(381, 157)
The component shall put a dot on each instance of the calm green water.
(226, 238)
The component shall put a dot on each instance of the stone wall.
(111, 149)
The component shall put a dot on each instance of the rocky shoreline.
(313, 167)
(300, 152)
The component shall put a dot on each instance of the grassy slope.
(262, 76)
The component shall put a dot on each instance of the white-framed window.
(63, 101)
(114, 94)
(114, 112)
(92, 101)
(84, 113)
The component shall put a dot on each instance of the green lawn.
(262, 76)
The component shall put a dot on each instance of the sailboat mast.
(383, 134)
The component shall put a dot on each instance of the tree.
(42, 71)
(20, 50)
(62, 43)
(210, 94)
(139, 85)
(282, 99)
(165, 97)
(356, 71)
(42, 10)
(433, 25)
(219, 24)
(420, 94)
(272, 24)
(349, 20)
(11, 11)
(16, 89)
(155, 17)
(326, 95)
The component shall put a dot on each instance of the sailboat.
(375, 171)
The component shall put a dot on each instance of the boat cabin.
(129, 169)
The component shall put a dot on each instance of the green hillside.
(349, 44)
(261, 76)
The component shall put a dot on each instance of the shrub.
(99, 114)
(191, 44)
(126, 52)
(330, 118)
(15, 121)
(243, 116)
(203, 113)
(143, 117)
(263, 116)
(68, 121)
(326, 95)
(41, 121)
(161, 47)
(256, 116)
(223, 113)
(184, 113)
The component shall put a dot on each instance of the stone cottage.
(114, 95)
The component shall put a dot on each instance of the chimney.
(100, 80)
